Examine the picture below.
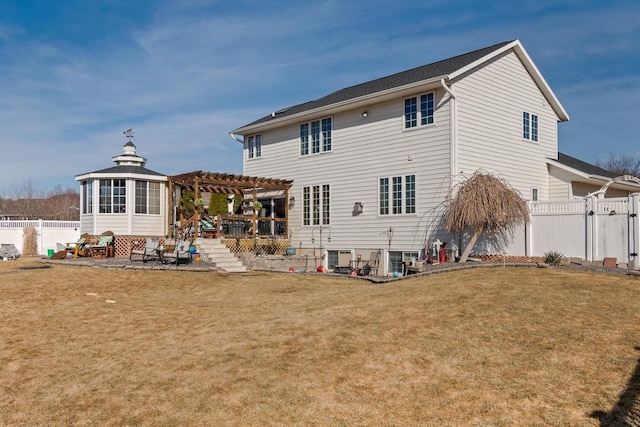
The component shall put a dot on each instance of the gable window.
(112, 196)
(254, 146)
(529, 126)
(397, 195)
(315, 137)
(316, 205)
(147, 198)
(426, 111)
(87, 197)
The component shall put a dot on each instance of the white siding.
(364, 149)
(559, 184)
(490, 105)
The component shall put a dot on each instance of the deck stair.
(218, 254)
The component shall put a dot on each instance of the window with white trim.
(529, 126)
(87, 197)
(254, 146)
(112, 196)
(316, 205)
(423, 115)
(315, 136)
(398, 258)
(147, 198)
(397, 195)
(534, 194)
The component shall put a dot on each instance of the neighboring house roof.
(585, 167)
(447, 69)
(586, 172)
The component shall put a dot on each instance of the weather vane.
(129, 134)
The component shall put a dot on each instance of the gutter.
(453, 133)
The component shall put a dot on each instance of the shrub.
(553, 258)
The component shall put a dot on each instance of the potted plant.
(257, 206)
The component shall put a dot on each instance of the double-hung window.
(419, 110)
(254, 146)
(316, 205)
(315, 136)
(397, 195)
(529, 126)
(112, 196)
(87, 197)
(147, 198)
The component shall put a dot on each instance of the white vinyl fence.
(49, 233)
(590, 228)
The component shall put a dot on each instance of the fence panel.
(562, 232)
(48, 233)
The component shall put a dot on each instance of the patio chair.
(77, 248)
(207, 228)
(105, 246)
(149, 252)
(371, 266)
(181, 253)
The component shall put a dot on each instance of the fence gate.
(589, 228)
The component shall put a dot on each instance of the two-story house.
(372, 164)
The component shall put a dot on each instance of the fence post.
(40, 248)
(634, 230)
(528, 231)
(591, 228)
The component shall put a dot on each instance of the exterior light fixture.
(292, 201)
(358, 208)
(364, 114)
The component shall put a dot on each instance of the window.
(397, 260)
(529, 126)
(320, 133)
(304, 139)
(316, 205)
(87, 197)
(254, 146)
(112, 196)
(534, 194)
(147, 198)
(426, 110)
(384, 196)
(400, 198)
(333, 258)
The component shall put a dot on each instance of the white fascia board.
(341, 106)
(528, 63)
(139, 176)
(570, 169)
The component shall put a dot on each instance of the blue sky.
(74, 73)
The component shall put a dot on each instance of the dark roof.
(585, 167)
(425, 72)
(124, 169)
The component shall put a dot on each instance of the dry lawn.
(477, 347)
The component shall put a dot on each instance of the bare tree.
(28, 201)
(484, 202)
(621, 164)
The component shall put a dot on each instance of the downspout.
(236, 138)
(453, 126)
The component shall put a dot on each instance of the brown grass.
(477, 347)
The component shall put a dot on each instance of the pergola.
(213, 182)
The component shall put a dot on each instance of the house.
(571, 178)
(127, 199)
(372, 164)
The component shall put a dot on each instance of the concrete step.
(219, 254)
